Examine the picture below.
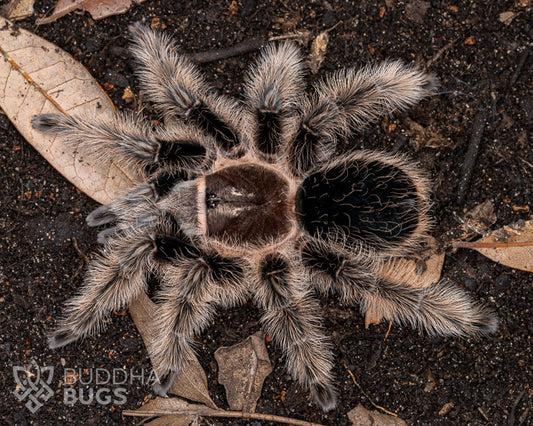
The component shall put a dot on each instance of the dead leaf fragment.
(16, 10)
(242, 370)
(416, 10)
(507, 17)
(318, 51)
(192, 381)
(360, 416)
(37, 77)
(426, 137)
(480, 218)
(98, 9)
(446, 408)
(470, 41)
(510, 246)
(160, 406)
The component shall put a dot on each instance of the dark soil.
(483, 64)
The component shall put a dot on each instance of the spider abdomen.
(363, 200)
(247, 205)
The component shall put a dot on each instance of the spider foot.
(101, 216)
(45, 122)
(162, 387)
(60, 339)
(324, 396)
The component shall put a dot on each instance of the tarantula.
(253, 200)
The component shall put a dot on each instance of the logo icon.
(33, 384)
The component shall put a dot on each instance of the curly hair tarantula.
(251, 200)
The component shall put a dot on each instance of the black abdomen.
(358, 201)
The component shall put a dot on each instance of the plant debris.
(242, 370)
(99, 9)
(511, 246)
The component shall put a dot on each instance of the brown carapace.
(254, 200)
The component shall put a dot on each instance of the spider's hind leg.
(292, 318)
(440, 309)
(348, 100)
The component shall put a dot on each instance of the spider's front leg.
(175, 86)
(292, 318)
(128, 140)
(272, 92)
(193, 283)
(115, 278)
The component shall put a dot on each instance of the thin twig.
(437, 55)
(80, 253)
(471, 155)
(211, 412)
(366, 395)
(491, 244)
(246, 46)
(521, 63)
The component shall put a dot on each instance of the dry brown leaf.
(98, 9)
(169, 405)
(192, 381)
(422, 272)
(511, 246)
(416, 10)
(39, 78)
(318, 51)
(242, 370)
(360, 416)
(18, 9)
(426, 137)
(507, 17)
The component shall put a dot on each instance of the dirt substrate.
(482, 63)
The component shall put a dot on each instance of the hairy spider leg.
(346, 101)
(193, 284)
(175, 86)
(292, 318)
(273, 88)
(127, 140)
(440, 309)
(115, 278)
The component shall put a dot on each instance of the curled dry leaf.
(37, 77)
(160, 406)
(318, 51)
(360, 416)
(242, 370)
(98, 9)
(414, 272)
(511, 246)
(192, 381)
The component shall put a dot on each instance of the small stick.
(366, 396)
(246, 46)
(437, 55)
(471, 154)
(211, 412)
(521, 63)
(80, 253)
(490, 244)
